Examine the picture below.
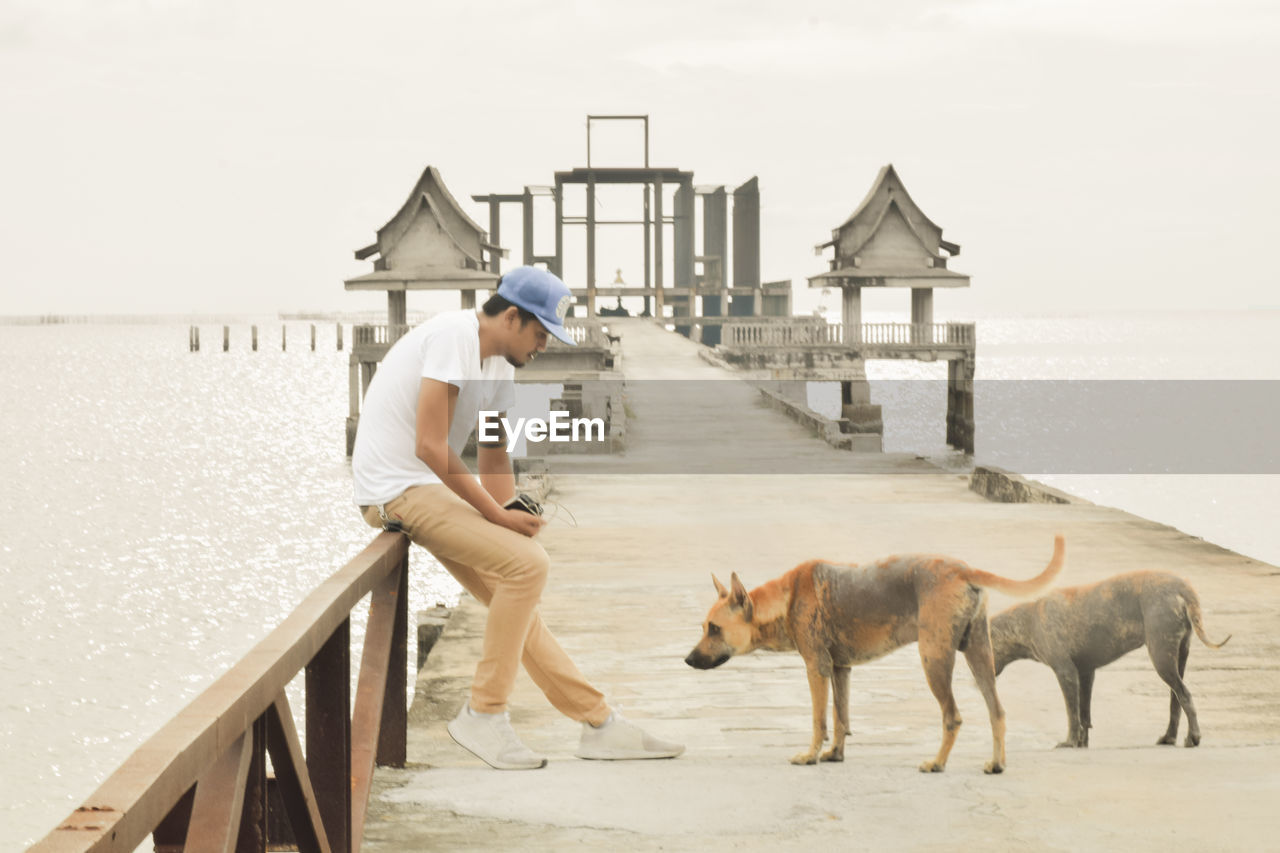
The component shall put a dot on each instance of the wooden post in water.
(284, 333)
(339, 337)
(255, 338)
(313, 337)
(226, 338)
(193, 339)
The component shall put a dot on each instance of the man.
(420, 409)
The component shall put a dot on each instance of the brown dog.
(1078, 629)
(836, 616)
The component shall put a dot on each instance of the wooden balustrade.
(200, 782)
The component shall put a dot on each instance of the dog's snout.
(697, 660)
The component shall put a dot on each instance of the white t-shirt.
(446, 348)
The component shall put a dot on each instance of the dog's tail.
(1193, 611)
(1023, 589)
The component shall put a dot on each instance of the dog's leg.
(818, 695)
(840, 691)
(1170, 736)
(1170, 666)
(938, 656)
(1069, 682)
(983, 666)
(1086, 702)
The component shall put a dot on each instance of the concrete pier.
(630, 585)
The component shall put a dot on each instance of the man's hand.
(524, 523)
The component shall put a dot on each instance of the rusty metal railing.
(200, 782)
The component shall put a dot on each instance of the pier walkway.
(630, 585)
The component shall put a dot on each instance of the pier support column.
(960, 425)
(559, 199)
(659, 306)
(715, 244)
(648, 248)
(495, 236)
(746, 249)
(865, 421)
(353, 393)
(591, 245)
(683, 273)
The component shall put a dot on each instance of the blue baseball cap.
(542, 294)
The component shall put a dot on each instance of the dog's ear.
(720, 590)
(738, 596)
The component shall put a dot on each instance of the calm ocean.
(161, 511)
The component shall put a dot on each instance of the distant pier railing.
(202, 777)
(585, 332)
(372, 335)
(371, 341)
(866, 336)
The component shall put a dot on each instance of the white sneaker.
(491, 739)
(619, 739)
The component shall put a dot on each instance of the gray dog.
(1075, 630)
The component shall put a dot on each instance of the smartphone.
(524, 503)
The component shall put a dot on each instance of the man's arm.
(494, 462)
(436, 403)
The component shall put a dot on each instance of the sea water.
(161, 511)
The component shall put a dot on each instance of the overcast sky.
(185, 155)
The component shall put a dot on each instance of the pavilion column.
(921, 315)
(851, 313)
(397, 311)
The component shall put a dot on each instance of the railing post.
(329, 735)
(253, 819)
(393, 731)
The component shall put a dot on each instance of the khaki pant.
(506, 572)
